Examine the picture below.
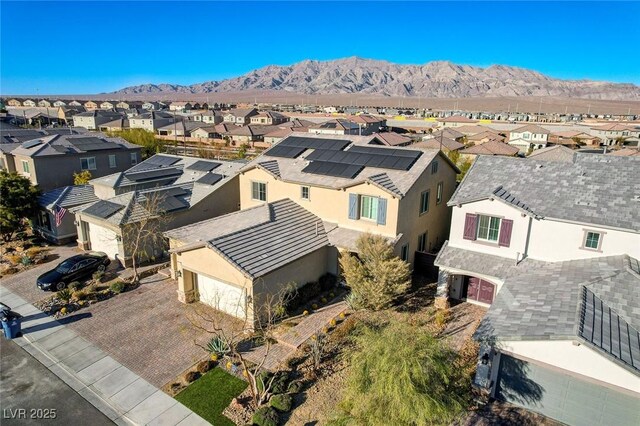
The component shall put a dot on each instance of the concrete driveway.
(28, 385)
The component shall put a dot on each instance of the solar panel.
(31, 144)
(285, 151)
(152, 174)
(92, 144)
(397, 152)
(162, 160)
(326, 168)
(203, 166)
(315, 143)
(170, 203)
(210, 179)
(103, 209)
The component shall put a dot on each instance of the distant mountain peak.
(436, 79)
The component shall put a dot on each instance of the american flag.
(59, 214)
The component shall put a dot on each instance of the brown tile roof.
(391, 138)
(554, 153)
(492, 148)
(533, 128)
(486, 134)
(626, 152)
(447, 143)
(474, 129)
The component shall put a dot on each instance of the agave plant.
(218, 346)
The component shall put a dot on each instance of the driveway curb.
(123, 396)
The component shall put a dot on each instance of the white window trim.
(484, 240)
(439, 192)
(28, 168)
(308, 197)
(134, 158)
(266, 194)
(375, 211)
(113, 164)
(584, 240)
(88, 163)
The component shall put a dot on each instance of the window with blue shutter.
(353, 206)
(382, 211)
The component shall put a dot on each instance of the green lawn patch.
(211, 394)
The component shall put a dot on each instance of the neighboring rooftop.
(553, 153)
(625, 152)
(582, 191)
(68, 196)
(258, 240)
(66, 144)
(391, 139)
(531, 128)
(594, 300)
(436, 143)
(490, 148)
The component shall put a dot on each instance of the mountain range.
(438, 79)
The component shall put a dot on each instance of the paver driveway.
(146, 330)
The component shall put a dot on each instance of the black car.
(73, 269)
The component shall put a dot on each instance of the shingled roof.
(261, 239)
(584, 191)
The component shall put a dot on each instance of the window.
(422, 242)
(88, 163)
(434, 167)
(369, 207)
(488, 228)
(304, 192)
(112, 161)
(259, 191)
(592, 240)
(25, 166)
(404, 252)
(439, 193)
(134, 158)
(424, 202)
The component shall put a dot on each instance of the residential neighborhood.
(346, 225)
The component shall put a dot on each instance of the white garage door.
(103, 239)
(221, 296)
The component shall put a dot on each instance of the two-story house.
(302, 202)
(151, 120)
(456, 121)
(59, 103)
(109, 105)
(180, 106)
(268, 118)
(151, 106)
(211, 117)
(612, 134)
(184, 190)
(50, 161)
(44, 103)
(130, 105)
(368, 124)
(91, 105)
(240, 117)
(94, 118)
(529, 137)
(338, 126)
(29, 103)
(552, 249)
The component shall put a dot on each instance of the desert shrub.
(353, 301)
(204, 366)
(75, 285)
(281, 402)
(263, 379)
(280, 382)
(442, 317)
(191, 376)
(98, 275)
(316, 349)
(15, 259)
(327, 281)
(64, 295)
(117, 287)
(345, 329)
(79, 295)
(299, 297)
(295, 386)
(218, 347)
(26, 260)
(265, 416)
(376, 274)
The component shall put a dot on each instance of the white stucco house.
(552, 249)
(529, 137)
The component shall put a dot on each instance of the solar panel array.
(31, 144)
(152, 174)
(398, 152)
(369, 158)
(203, 166)
(92, 144)
(162, 160)
(327, 168)
(103, 209)
(210, 179)
(169, 203)
(293, 146)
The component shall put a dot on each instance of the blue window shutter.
(382, 211)
(353, 206)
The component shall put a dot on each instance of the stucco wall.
(580, 360)
(329, 204)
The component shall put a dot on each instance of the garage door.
(103, 239)
(563, 397)
(222, 296)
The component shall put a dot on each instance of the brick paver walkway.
(290, 341)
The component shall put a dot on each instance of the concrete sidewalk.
(123, 396)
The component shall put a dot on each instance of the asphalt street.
(30, 394)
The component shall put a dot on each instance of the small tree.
(18, 202)
(375, 275)
(147, 140)
(454, 155)
(242, 151)
(82, 178)
(141, 237)
(464, 167)
(404, 375)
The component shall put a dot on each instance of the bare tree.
(258, 322)
(142, 235)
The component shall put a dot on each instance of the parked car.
(73, 269)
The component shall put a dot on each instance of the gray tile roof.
(383, 180)
(63, 144)
(344, 238)
(563, 300)
(594, 189)
(553, 153)
(261, 239)
(68, 196)
(397, 181)
(271, 167)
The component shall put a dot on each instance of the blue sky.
(92, 47)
